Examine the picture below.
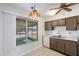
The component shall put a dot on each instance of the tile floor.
(42, 51)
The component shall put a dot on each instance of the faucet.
(59, 34)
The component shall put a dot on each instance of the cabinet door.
(48, 25)
(70, 48)
(78, 47)
(60, 45)
(78, 19)
(53, 43)
(61, 22)
(54, 23)
(71, 23)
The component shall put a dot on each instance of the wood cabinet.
(78, 19)
(70, 48)
(61, 22)
(53, 43)
(60, 45)
(58, 22)
(54, 23)
(71, 23)
(64, 46)
(78, 47)
(48, 25)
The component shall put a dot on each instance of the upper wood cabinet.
(71, 23)
(58, 22)
(61, 22)
(54, 23)
(78, 19)
(48, 25)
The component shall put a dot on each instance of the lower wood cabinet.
(60, 45)
(78, 47)
(64, 46)
(53, 43)
(70, 48)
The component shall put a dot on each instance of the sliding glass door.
(20, 31)
(23, 36)
(32, 31)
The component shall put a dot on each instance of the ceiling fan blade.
(67, 9)
(71, 4)
(63, 4)
(58, 11)
(54, 8)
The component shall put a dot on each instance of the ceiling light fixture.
(34, 12)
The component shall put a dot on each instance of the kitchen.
(62, 35)
(57, 33)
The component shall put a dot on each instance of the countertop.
(67, 38)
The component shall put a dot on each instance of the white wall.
(9, 33)
(26, 48)
(1, 33)
(12, 9)
(63, 32)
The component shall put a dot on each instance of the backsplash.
(61, 30)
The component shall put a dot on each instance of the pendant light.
(34, 12)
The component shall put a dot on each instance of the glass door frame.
(37, 26)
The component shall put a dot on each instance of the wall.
(9, 41)
(8, 8)
(1, 34)
(61, 30)
(9, 33)
(26, 48)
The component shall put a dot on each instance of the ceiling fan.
(64, 6)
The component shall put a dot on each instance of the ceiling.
(41, 7)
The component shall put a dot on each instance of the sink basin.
(58, 36)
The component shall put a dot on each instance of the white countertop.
(67, 38)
